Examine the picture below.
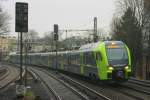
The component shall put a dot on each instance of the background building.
(7, 45)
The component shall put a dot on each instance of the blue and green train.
(108, 60)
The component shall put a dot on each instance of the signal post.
(21, 25)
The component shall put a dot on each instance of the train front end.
(119, 61)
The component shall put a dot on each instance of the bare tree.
(47, 41)
(129, 25)
(4, 21)
(48, 38)
(33, 35)
(140, 8)
(30, 39)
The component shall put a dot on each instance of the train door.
(0, 56)
(61, 62)
(49, 61)
(98, 58)
(82, 63)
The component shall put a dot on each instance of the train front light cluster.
(111, 68)
(126, 67)
(109, 72)
(127, 71)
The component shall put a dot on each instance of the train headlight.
(126, 67)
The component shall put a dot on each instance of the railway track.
(111, 92)
(10, 77)
(59, 88)
(140, 82)
(37, 77)
(139, 88)
(127, 91)
(136, 88)
(114, 93)
(83, 92)
(90, 93)
(4, 72)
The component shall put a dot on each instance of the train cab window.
(98, 56)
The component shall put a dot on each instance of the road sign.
(21, 23)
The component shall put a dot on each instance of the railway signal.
(95, 38)
(56, 32)
(55, 37)
(56, 28)
(21, 23)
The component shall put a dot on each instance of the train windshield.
(117, 56)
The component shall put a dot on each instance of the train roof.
(91, 46)
(84, 48)
(116, 42)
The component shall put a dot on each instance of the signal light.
(55, 37)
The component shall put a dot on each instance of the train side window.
(93, 62)
(98, 56)
(88, 58)
(79, 58)
(68, 57)
(85, 57)
(65, 59)
(73, 59)
(76, 58)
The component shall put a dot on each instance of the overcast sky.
(69, 14)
